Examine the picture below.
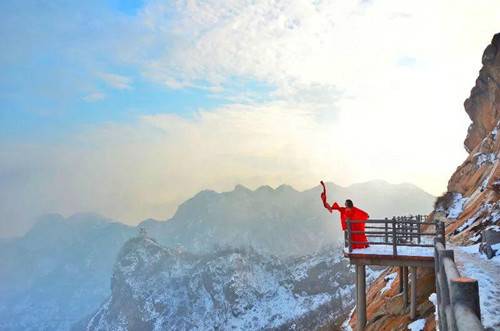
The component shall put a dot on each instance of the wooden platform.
(383, 255)
(391, 260)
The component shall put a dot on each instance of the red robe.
(353, 214)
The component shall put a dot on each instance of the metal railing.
(457, 297)
(395, 232)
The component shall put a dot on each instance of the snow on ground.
(402, 250)
(389, 279)
(487, 272)
(418, 325)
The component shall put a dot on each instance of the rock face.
(476, 182)
(156, 288)
(483, 105)
(471, 203)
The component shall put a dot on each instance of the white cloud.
(349, 104)
(134, 171)
(116, 81)
(346, 44)
(94, 96)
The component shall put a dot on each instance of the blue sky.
(127, 108)
(53, 64)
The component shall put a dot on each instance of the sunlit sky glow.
(127, 108)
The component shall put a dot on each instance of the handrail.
(395, 232)
(409, 221)
(458, 305)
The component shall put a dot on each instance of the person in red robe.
(352, 213)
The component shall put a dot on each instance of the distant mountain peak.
(241, 188)
(286, 188)
(264, 188)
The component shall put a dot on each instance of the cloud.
(116, 81)
(94, 96)
(339, 99)
(144, 169)
(294, 45)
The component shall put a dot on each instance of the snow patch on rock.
(418, 325)
(389, 279)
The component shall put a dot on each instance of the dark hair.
(348, 203)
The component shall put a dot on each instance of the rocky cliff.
(470, 205)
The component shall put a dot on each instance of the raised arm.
(325, 203)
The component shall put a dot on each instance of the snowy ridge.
(154, 288)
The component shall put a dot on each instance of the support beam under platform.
(405, 287)
(361, 296)
(400, 274)
(413, 297)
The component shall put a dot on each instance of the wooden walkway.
(406, 242)
(411, 243)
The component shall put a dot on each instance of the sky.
(128, 108)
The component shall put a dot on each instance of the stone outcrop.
(477, 179)
(470, 205)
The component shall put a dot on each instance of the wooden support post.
(405, 287)
(400, 279)
(349, 235)
(465, 291)
(445, 291)
(394, 248)
(413, 302)
(419, 239)
(386, 231)
(410, 226)
(439, 295)
(361, 296)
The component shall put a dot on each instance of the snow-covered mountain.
(60, 271)
(279, 221)
(155, 288)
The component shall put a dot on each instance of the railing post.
(349, 235)
(465, 291)
(386, 231)
(447, 310)
(437, 272)
(400, 272)
(419, 229)
(394, 248)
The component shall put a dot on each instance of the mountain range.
(58, 275)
